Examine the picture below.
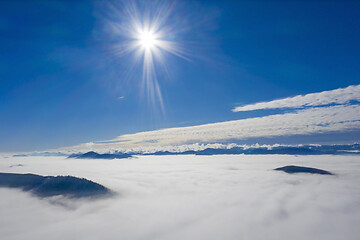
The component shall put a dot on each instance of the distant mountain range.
(42, 154)
(349, 149)
(291, 150)
(95, 155)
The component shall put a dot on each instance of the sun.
(147, 39)
(150, 34)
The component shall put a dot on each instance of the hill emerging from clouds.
(48, 186)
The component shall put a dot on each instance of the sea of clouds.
(189, 197)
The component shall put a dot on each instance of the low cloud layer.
(337, 96)
(190, 197)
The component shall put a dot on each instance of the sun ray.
(144, 33)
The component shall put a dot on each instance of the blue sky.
(62, 83)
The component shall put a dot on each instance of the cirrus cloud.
(301, 122)
(337, 96)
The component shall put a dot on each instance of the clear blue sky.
(61, 85)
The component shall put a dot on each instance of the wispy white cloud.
(337, 96)
(316, 113)
(301, 122)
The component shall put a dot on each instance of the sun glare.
(148, 35)
(147, 39)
